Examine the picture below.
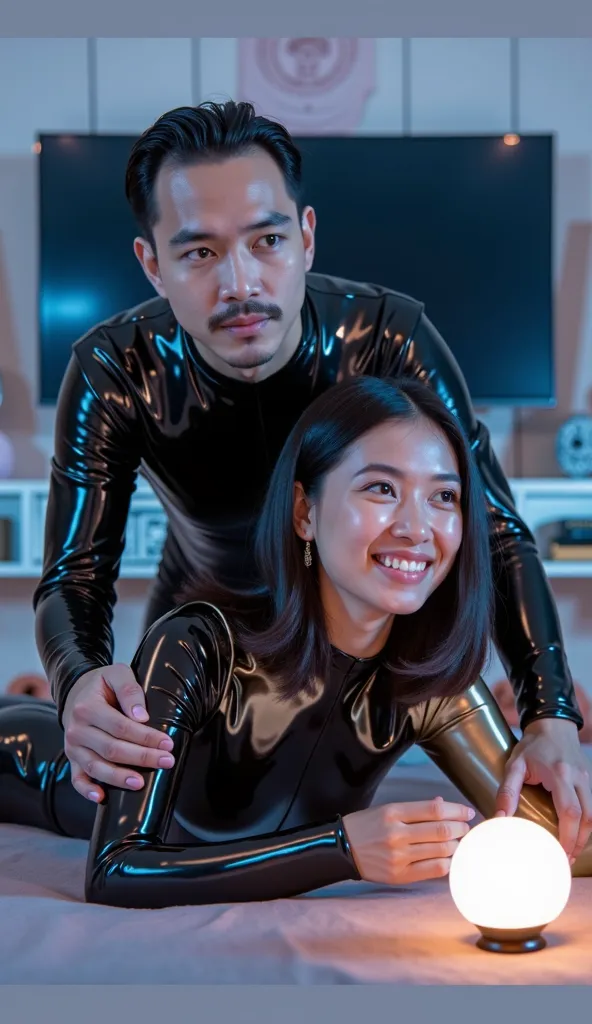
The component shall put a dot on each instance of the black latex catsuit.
(253, 807)
(259, 786)
(137, 395)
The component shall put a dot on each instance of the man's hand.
(102, 719)
(549, 754)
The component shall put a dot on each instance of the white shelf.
(568, 570)
(24, 503)
(540, 503)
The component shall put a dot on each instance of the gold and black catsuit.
(253, 808)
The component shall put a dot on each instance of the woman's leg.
(35, 786)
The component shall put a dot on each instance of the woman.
(286, 707)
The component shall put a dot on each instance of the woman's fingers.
(422, 870)
(436, 832)
(421, 811)
(432, 851)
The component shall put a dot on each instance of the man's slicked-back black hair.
(208, 132)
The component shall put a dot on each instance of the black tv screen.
(462, 223)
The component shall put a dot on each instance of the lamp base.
(511, 940)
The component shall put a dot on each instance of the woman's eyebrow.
(382, 467)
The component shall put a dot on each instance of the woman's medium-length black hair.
(438, 650)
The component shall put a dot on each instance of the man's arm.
(527, 631)
(93, 474)
(469, 739)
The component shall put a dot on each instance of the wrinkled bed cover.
(347, 934)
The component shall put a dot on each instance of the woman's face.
(387, 525)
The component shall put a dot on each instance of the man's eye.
(197, 254)
(272, 241)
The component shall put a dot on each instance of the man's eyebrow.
(189, 234)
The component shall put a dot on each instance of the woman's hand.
(407, 842)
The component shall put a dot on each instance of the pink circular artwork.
(306, 67)
(312, 85)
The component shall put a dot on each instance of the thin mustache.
(244, 309)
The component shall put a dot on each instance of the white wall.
(424, 85)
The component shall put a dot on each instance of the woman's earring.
(307, 555)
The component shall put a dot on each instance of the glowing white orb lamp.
(510, 878)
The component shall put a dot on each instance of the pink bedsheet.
(348, 934)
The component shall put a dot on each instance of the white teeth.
(402, 564)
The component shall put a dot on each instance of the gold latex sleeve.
(470, 741)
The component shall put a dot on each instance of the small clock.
(574, 446)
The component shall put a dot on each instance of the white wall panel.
(139, 79)
(460, 85)
(218, 69)
(556, 90)
(384, 110)
(43, 87)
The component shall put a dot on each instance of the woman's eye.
(382, 488)
(448, 497)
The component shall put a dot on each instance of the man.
(198, 388)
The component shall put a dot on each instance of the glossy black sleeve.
(184, 666)
(528, 634)
(93, 474)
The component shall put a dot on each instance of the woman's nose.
(411, 522)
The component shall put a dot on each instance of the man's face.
(231, 257)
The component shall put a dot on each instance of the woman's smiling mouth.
(404, 570)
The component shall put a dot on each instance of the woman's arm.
(184, 664)
(470, 740)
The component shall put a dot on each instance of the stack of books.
(573, 543)
(5, 540)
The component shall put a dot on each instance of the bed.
(352, 933)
